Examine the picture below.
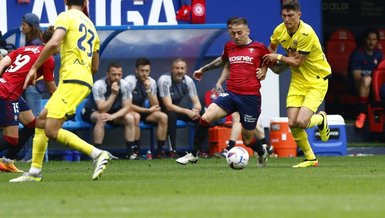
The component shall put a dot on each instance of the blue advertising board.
(262, 15)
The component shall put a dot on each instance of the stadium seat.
(376, 112)
(77, 123)
(210, 96)
(191, 126)
(381, 41)
(338, 49)
(378, 79)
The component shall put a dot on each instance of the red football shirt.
(12, 80)
(243, 62)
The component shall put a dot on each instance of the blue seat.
(143, 126)
(191, 126)
(151, 128)
(77, 123)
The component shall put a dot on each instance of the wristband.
(279, 57)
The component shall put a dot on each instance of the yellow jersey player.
(309, 77)
(78, 41)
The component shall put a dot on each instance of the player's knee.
(302, 123)
(129, 119)
(163, 119)
(137, 117)
(203, 122)
(292, 124)
(51, 133)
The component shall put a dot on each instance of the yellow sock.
(40, 143)
(71, 140)
(300, 137)
(315, 120)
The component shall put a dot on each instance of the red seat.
(376, 113)
(338, 49)
(381, 40)
(210, 95)
(378, 79)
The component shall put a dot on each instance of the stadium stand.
(376, 112)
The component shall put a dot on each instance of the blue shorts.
(248, 106)
(9, 113)
(23, 106)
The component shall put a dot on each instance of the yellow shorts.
(65, 99)
(307, 95)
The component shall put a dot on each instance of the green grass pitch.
(339, 187)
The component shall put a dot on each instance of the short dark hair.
(75, 2)
(142, 62)
(291, 5)
(239, 21)
(230, 20)
(370, 31)
(114, 65)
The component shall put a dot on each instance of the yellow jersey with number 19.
(79, 44)
(304, 41)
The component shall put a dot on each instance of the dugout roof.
(161, 44)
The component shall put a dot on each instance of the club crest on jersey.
(295, 43)
(251, 50)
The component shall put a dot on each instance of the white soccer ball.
(237, 158)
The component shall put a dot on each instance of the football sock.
(230, 145)
(264, 141)
(315, 120)
(363, 104)
(201, 132)
(130, 146)
(137, 143)
(95, 153)
(34, 170)
(256, 146)
(97, 145)
(24, 135)
(161, 144)
(300, 137)
(11, 144)
(73, 141)
(39, 146)
(7, 142)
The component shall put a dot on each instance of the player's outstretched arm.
(52, 47)
(198, 74)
